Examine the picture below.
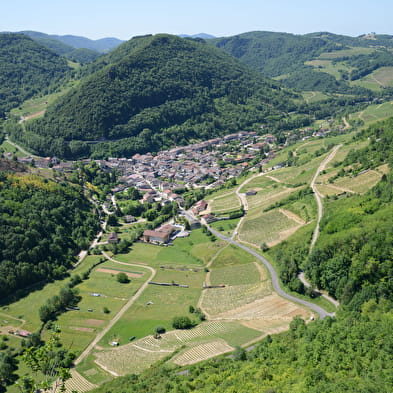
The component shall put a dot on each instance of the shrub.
(122, 278)
(159, 330)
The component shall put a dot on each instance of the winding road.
(274, 277)
(122, 311)
(318, 195)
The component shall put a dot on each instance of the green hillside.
(43, 225)
(274, 54)
(26, 68)
(154, 93)
(313, 62)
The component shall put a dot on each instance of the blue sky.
(126, 18)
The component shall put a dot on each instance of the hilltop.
(101, 45)
(154, 92)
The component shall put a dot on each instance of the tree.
(239, 353)
(122, 278)
(182, 323)
(8, 365)
(45, 359)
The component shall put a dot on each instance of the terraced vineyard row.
(202, 352)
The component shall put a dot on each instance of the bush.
(122, 278)
(159, 330)
(106, 310)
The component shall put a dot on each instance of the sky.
(126, 18)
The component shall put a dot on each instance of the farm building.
(208, 218)
(159, 236)
(199, 207)
(23, 333)
(113, 238)
(194, 224)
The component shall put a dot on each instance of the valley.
(181, 222)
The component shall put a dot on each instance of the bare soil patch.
(82, 329)
(271, 307)
(32, 116)
(95, 322)
(113, 271)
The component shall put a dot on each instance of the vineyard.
(218, 300)
(202, 352)
(202, 342)
(236, 275)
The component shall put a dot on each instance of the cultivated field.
(269, 227)
(216, 301)
(202, 352)
(361, 183)
(236, 275)
(215, 337)
(374, 113)
(346, 53)
(224, 203)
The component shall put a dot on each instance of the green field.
(39, 104)
(226, 227)
(374, 113)
(232, 256)
(314, 96)
(6, 147)
(167, 302)
(329, 67)
(235, 275)
(346, 53)
(377, 80)
(194, 250)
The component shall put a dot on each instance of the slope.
(26, 68)
(165, 90)
(273, 54)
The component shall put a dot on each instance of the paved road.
(18, 147)
(121, 312)
(274, 277)
(303, 279)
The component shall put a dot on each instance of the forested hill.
(161, 90)
(296, 59)
(271, 53)
(43, 225)
(101, 45)
(26, 68)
